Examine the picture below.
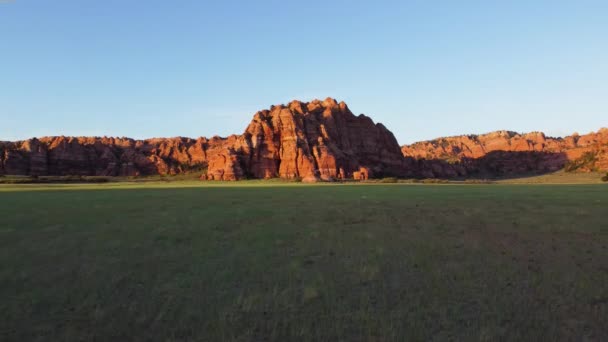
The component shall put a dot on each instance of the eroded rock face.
(319, 140)
(94, 156)
(312, 141)
(504, 153)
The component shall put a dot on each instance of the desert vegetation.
(56, 179)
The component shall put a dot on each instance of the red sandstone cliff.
(318, 140)
(100, 156)
(315, 140)
(507, 153)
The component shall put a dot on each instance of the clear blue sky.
(198, 68)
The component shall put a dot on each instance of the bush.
(477, 181)
(96, 179)
(434, 181)
(605, 178)
(389, 180)
(21, 180)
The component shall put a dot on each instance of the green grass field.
(256, 261)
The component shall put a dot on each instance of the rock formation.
(99, 156)
(319, 140)
(505, 153)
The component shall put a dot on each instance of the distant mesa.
(309, 141)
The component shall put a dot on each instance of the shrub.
(434, 181)
(97, 179)
(21, 180)
(193, 168)
(477, 181)
(605, 178)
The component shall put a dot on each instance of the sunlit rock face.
(505, 153)
(311, 141)
(318, 140)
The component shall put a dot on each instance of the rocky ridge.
(504, 153)
(317, 140)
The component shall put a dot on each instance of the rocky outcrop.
(505, 153)
(96, 156)
(318, 140)
(311, 141)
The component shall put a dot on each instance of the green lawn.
(255, 262)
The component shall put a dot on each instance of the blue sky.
(199, 68)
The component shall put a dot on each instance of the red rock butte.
(317, 140)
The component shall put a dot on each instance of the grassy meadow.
(256, 261)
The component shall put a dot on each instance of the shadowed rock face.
(505, 153)
(312, 141)
(100, 156)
